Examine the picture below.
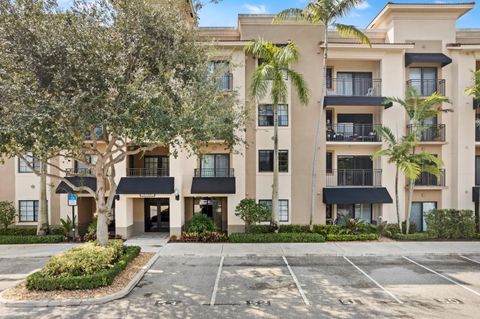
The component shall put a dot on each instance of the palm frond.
(351, 31)
(292, 14)
(287, 54)
(341, 8)
(260, 80)
(386, 134)
(260, 48)
(300, 85)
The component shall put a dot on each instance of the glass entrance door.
(157, 215)
(212, 207)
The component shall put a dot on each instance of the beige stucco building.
(412, 45)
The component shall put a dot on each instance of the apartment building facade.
(412, 45)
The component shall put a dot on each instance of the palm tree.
(324, 12)
(398, 153)
(419, 109)
(271, 76)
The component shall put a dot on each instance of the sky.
(225, 13)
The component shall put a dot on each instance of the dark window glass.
(329, 78)
(24, 168)
(28, 210)
(215, 165)
(265, 161)
(329, 162)
(265, 115)
(282, 207)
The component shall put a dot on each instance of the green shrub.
(32, 239)
(67, 226)
(7, 214)
(55, 230)
(205, 237)
(412, 237)
(251, 212)
(84, 260)
(260, 229)
(450, 223)
(91, 233)
(412, 229)
(367, 229)
(294, 229)
(351, 237)
(19, 231)
(326, 229)
(276, 238)
(200, 223)
(102, 278)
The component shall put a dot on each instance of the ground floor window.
(28, 210)
(419, 210)
(210, 206)
(282, 208)
(360, 211)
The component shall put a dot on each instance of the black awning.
(475, 194)
(331, 100)
(356, 195)
(438, 58)
(146, 185)
(78, 181)
(213, 185)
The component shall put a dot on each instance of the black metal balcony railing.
(214, 172)
(355, 87)
(427, 87)
(354, 177)
(429, 133)
(348, 132)
(427, 179)
(225, 82)
(80, 171)
(477, 133)
(148, 172)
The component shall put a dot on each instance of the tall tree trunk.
(411, 185)
(397, 200)
(318, 133)
(275, 203)
(102, 209)
(42, 226)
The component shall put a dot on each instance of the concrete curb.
(76, 302)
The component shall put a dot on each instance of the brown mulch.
(20, 292)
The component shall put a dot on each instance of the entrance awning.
(146, 185)
(356, 195)
(78, 181)
(438, 58)
(213, 185)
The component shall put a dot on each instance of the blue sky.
(225, 13)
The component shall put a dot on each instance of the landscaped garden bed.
(84, 272)
(276, 238)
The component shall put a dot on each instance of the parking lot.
(286, 286)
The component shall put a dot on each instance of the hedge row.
(19, 231)
(413, 237)
(351, 237)
(277, 238)
(40, 281)
(31, 239)
(323, 230)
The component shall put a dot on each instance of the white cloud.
(364, 5)
(256, 9)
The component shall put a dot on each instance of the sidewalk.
(322, 249)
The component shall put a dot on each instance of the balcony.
(477, 133)
(79, 171)
(225, 82)
(429, 133)
(354, 177)
(210, 181)
(428, 87)
(351, 132)
(427, 179)
(356, 91)
(148, 172)
(476, 103)
(99, 134)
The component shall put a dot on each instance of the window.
(265, 161)
(215, 165)
(419, 210)
(265, 115)
(156, 165)
(220, 71)
(329, 78)
(24, 168)
(424, 80)
(354, 84)
(81, 168)
(359, 211)
(329, 162)
(282, 208)
(328, 213)
(28, 210)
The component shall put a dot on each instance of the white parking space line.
(470, 259)
(297, 283)
(374, 281)
(217, 280)
(443, 276)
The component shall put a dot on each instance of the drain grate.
(449, 301)
(348, 302)
(168, 302)
(258, 303)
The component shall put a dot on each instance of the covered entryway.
(214, 207)
(157, 215)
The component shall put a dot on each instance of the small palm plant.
(326, 13)
(270, 77)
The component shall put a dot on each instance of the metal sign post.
(72, 201)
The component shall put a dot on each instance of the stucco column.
(124, 217)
